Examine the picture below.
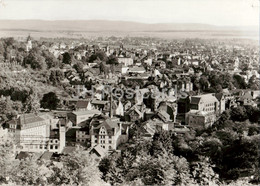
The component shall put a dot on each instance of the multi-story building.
(205, 102)
(203, 111)
(109, 134)
(199, 119)
(32, 133)
(127, 61)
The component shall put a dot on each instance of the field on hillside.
(160, 34)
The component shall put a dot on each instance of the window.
(56, 147)
(95, 141)
(51, 146)
(110, 141)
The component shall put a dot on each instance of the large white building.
(32, 133)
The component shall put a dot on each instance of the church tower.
(29, 43)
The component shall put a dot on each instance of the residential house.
(77, 117)
(198, 119)
(109, 134)
(205, 102)
(222, 102)
(135, 113)
(83, 105)
(127, 61)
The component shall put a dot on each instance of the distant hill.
(104, 25)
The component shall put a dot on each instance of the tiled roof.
(86, 112)
(99, 150)
(29, 118)
(46, 155)
(82, 104)
(204, 98)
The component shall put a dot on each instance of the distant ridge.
(105, 25)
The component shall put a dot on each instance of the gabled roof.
(29, 118)
(86, 112)
(135, 109)
(164, 114)
(219, 96)
(109, 125)
(204, 98)
(195, 100)
(82, 104)
(46, 155)
(247, 95)
(98, 150)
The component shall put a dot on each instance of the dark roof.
(82, 104)
(98, 150)
(195, 100)
(22, 155)
(29, 118)
(110, 126)
(29, 38)
(46, 156)
(219, 96)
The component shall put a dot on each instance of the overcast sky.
(216, 12)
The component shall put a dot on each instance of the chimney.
(62, 139)
(111, 106)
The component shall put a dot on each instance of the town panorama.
(160, 107)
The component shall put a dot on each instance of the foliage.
(66, 58)
(78, 168)
(49, 101)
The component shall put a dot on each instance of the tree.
(6, 109)
(204, 83)
(35, 60)
(113, 60)
(239, 82)
(78, 168)
(253, 84)
(66, 58)
(27, 172)
(99, 55)
(50, 59)
(162, 141)
(238, 114)
(7, 158)
(49, 101)
(203, 173)
(79, 67)
(56, 76)
(32, 103)
(103, 68)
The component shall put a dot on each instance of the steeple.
(29, 43)
(29, 38)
